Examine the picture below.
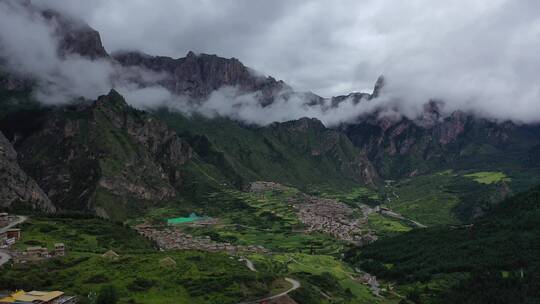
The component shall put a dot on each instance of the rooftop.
(32, 296)
(180, 220)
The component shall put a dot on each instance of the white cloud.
(476, 55)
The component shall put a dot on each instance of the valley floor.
(271, 242)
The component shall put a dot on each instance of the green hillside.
(301, 153)
(493, 260)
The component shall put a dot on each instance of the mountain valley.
(441, 207)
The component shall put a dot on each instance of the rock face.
(15, 186)
(101, 156)
(197, 76)
(75, 36)
(403, 147)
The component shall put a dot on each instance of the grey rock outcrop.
(15, 186)
(197, 76)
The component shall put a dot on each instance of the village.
(173, 238)
(9, 235)
(334, 218)
(324, 215)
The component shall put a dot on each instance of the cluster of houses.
(324, 215)
(371, 281)
(37, 297)
(173, 238)
(8, 236)
(36, 253)
(259, 186)
(332, 217)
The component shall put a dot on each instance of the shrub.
(97, 279)
(141, 284)
(107, 295)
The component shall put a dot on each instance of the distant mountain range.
(106, 157)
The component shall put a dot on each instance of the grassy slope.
(198, 277)
(82, 234)
(446, 197)
(265, 154)
(326, 274)
(488, 177)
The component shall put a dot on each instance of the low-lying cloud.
(478, 56)
(29, 49)
(247, 107)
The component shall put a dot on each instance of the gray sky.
(476, 55)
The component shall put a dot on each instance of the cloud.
(475, 55)
(231, 102)
(29, 48)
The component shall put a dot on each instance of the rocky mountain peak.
(198, 75)
(75, 37)
(379, 85)
(112, 99)
(105, 146)
(302, 125)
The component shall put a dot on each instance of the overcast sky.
(476, 55)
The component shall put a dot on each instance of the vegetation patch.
(82, 234)
(138, 278)
(385, 226)
(488, 177)
(493, 260)
(324, 279)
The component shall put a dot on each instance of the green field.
(267, 220)
(488, 177)
(445, 197)
(385, 226)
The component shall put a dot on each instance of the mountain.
(197, 76)
(75, 36)
(16, 187)
(406, 147)
(103, 156)
(302, 152)
(84, 155)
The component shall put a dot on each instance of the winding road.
(295, 285)
(20, 219)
